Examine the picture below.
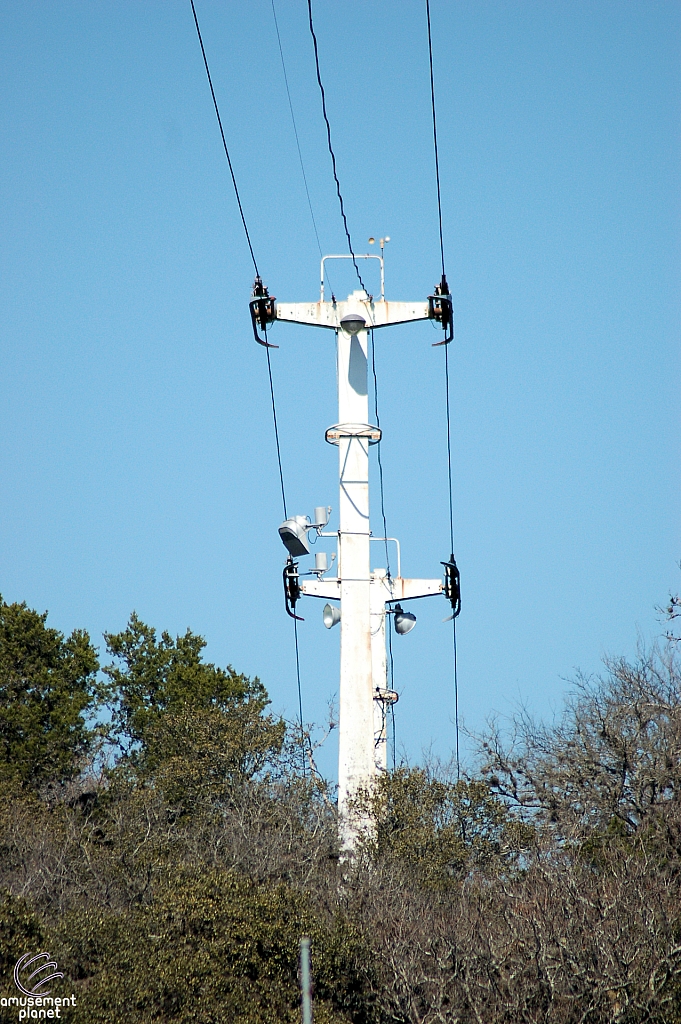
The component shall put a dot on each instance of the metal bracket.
(440, 308)
(263, 312)
(291, 589)
(365, 430)
(386, 697)
(353, 257)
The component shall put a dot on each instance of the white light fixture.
(404, 621)
(352, 323)
(331, 615)
(293, 533)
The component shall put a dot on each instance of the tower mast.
(362, 593)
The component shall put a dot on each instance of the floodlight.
(331, 615)
(293, 533)
(404, 621)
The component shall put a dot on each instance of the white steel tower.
(362, 593)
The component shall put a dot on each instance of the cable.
(391, 662)
(224, 142)
(300, 698)
(378, 452)
(276, 433)
(456, 702)
(451, 540)
(269, 364)
(437, 159)
(391, 684)
(295, 621)
(454, 621)
(333, 155)
(449, 451)
(447, 376)
(442, 256)
(295, 130)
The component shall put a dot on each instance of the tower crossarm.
(408, 589)
(397, 588)
(330, 314)
(330, 589)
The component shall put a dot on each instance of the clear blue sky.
(138, 465)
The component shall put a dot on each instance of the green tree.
(438, 828)
(48, 694)
(211, 947)
(184, 720)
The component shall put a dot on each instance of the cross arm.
(385, 314)
(330, 314)
(399, 589)
(316, 314)
(406, 589)
(330, 589)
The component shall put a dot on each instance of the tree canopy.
(172, 872)
(48, 696)
(187, 723)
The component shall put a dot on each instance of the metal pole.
(356, 714)
(361, 743)
(306, 980)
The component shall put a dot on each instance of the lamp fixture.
(353, 323)
(331, 615)
(404, 621)
(293, 533)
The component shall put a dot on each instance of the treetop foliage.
(192, 727)
(48, 689)
(437, 827)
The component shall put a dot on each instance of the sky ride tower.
(357, 597)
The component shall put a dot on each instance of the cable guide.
(263, 311)
(291, 589)
(441, 308)
(452, 588)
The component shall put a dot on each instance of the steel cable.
(333, 155)
(269, 363)
(276, 433)
(224, 141)
(295, 129)
(300, 698)
(447, 387)
(437, 158)
(378, 452)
